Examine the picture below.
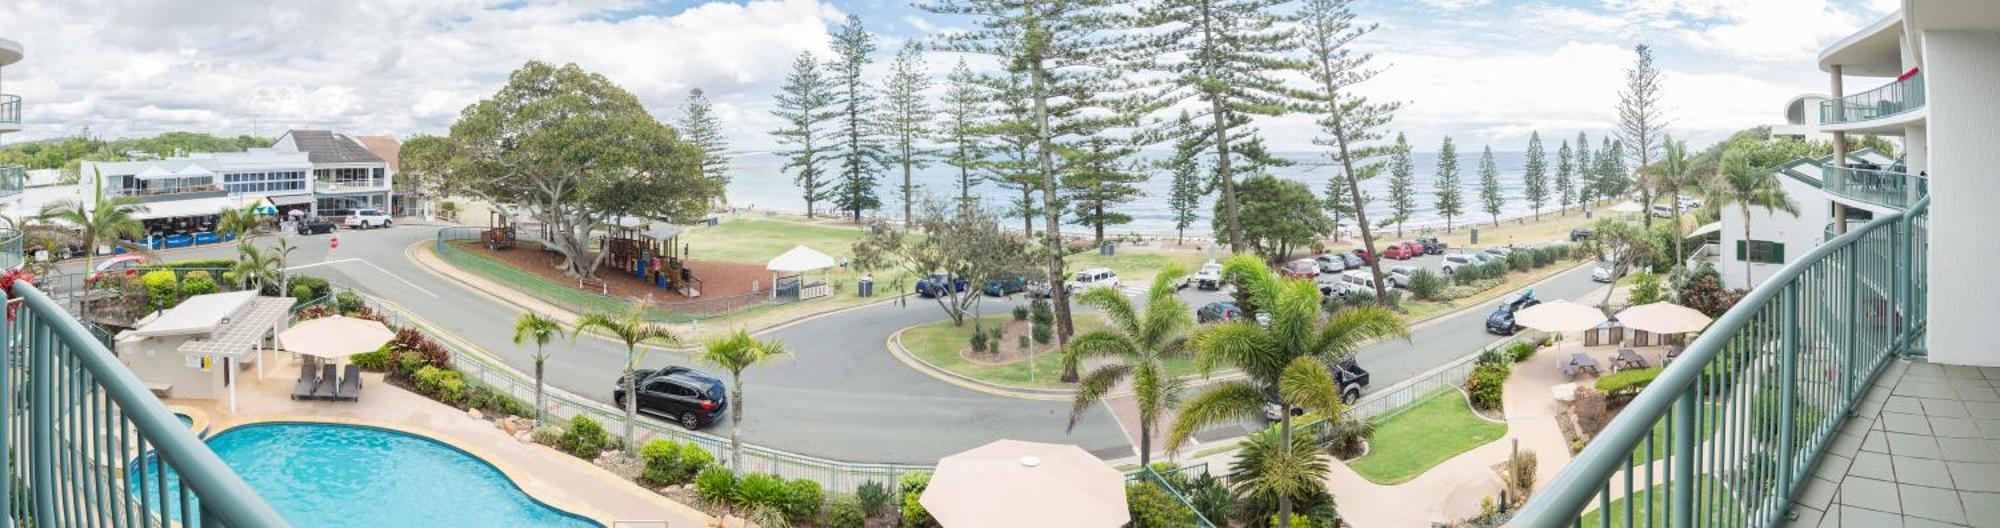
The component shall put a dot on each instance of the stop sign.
(333, 242)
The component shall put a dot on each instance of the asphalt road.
(840, 395)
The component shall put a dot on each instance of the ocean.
(757, 183)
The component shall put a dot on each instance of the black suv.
(1349, 374)
(1432, 246)
(687, 396)
(1502, 320)
(1579, 234)
(315, 226)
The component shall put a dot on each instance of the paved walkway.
(553, 477)
(1923, 449)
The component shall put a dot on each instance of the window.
(1761, 252)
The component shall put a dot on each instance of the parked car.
(1330, 263)
(315, 226)
(1363, 254)
(1352, 261)
(1218, 312)
(1210, 276)
(1093, 278)
(1396, 251)
(1484, 257)
(1432, 245)
(1662, 211)
(1300, 269)
(1501, 322)
(1005, 286)
(1501, 251)
(1606, 272)
(1038, 288)
(1415, 248)
(1453, 262)
(939, 285)
(1348, 374)
(1399, 276)
(1688, 203)
(1330, 287)
(687, 396)
(1361, 280)
(127, 264)
(1579, 234)
(367, 218)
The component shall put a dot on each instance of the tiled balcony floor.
(1922, 450)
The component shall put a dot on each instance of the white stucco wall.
(158, 360)
(1962, 69)
(1798, 233)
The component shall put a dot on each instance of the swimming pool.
(186, 421)
(345, 475)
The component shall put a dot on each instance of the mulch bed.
(722, 282)
(1008, 350)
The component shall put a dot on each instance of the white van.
(1359, 280)
(1092, 278)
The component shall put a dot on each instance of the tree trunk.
(1224, 177)
(1680, 252)
(631, 401)
(1354, 191)
(736, 427)
(1285, 448)
(1059, 295)
(1100, 224)
(1027, 211)
(1646, 195)
(906, 182)
(1749, 283)
(540, 404)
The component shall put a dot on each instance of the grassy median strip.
(1429, 433)
(939, 343)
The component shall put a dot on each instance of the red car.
(1365, 257)
(1300, 269)
(1396, 251)
(122, 264)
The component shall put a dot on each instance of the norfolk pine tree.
(1641, 124)
(805, 104)
(907, 117)
(860, 140)
(1490, 199)
(1402, 184)
(700, 127)
(1586, 174)
(1097, 179)
(1327, 31)
(1565, 179)
(1184, 194)
(964, 114)
(1534, 176)
(1450, 201)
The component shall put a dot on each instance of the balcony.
(13, 179)
(10, 112)
(1751, 426)
(347, 186)
(1892, 99)
(149, 194)
(1879, 187)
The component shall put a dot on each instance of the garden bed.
(1423, 436)
(947, 347)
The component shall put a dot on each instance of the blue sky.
(1482, 71)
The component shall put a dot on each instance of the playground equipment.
(645, 249)
(499, 233)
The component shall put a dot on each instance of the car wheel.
(1350, 396)
(619, 400)
(688, 421)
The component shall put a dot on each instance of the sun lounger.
(350, 384)
(328, 381)
(307, 382)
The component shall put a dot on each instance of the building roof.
(238, 335)
(199, 314)
(322, 146)
(385, 147)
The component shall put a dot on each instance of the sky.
(1486, 72)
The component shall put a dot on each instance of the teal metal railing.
(89, 445)
(10, 109)
(1890, 99)
(1725, 435)
(1171, 483)
(13, 179)
(1879, 187)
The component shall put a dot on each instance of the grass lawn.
(1659, 433)
(1136, 267)
(1711, 498)
(1408, 444)
(758, 240)
(939, 342)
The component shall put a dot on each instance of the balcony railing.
(1748, 408)
(10, 109)
(1891, 99)
(13, 178)
(165, 193)
(88, 444)
(351, 185)
(1879, 187)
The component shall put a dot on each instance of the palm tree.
(1676, 171)
(539, 328)
(104, 220)
(237, 222)
(631, 328)
(1139, 342)
(1290, 358)
(1740, 182)
(1273, 466)
(735, 353)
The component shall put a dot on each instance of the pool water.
(186, 421)
(343, 475)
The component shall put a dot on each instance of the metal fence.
(1165, 483)
(1727, 433)
(480, 368)
(1386, 403)
(89, 445)
(449, 247)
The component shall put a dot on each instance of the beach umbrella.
(1559, 316)
(335, 337)
(1664, 318)
(1014, 483)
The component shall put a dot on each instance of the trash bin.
(1475, 237)
(714, 221)
(867, 286)
(1108, 249)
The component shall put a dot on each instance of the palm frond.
(1097, 343)
(1242, 344)
(1307, 384)
(1350, 328)
(1117, 309)
(1218, 404)
(1093, 387)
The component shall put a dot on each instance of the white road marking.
(399, 278)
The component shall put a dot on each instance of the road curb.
(895, 346)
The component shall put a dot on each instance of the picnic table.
(1580, 362)
(1674, 352)
(1627, 359)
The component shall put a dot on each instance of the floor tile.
(1817, 493)
(1803, 518)
(1985, 394)
(1904, 404)
(1834, 467)
(1920, 522)
(1844, 445)
(1871, 494)
(1946, 408)
(1936, 504)
(1872, 465)
(1913, 445)
(1876, 441)
(1981, 509)
(1966, 450)
(1988, 429)
(1905, 423)
(1973, 476)
(1953, 427)
(1921, 471)
(1863, 518)
(1983, 410)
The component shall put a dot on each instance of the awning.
(799, 260)
(290, 199)
(1711, 228)
(154, 172)
(194, 171)
(188, 207)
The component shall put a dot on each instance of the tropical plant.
(106, 220)
(873, 496)
(1747, 185)
(1292, 358)
(1678, 169)
(715, 485)
(237, 222)
(256, 268)
(1277, 466)
(632, 329)
(1349, 438)
(1646, 289)
(540, 329)
(735, 353)
(584, 437)
(1137, 345)
(1427, 285)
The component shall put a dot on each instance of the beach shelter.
(1014, 483)
(788, 271)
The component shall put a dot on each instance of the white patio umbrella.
(1559, 316)
(335, 337)
(1014, 483)
(1664, 318)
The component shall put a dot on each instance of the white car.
(1210, 276)
(367, 218)
(1662, 211)
(1093, 278)
(1331, 263)
(1605, 272)
(1399, 276)
(1452, 262)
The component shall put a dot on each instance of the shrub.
(1040, 311)
(202, 285)
(845, 512)
(1043, 333)
(1427, 285)
(495, 403)
(1522, 477)
(661, 457)
(803, 498)
(1646, 289)
(315, 312)
(1486, 385)
(413, 342)
(452, 389)
(1347, 438)
(979, 340)
(912, 487)
(1521, 260)
(585, 438)
(547, 435)
(348, 302)
(761, 490)
(1521, 350)
(377, 361)
(162, 287)
(692, 461)
(768, 516)
(1629, 381)
(1152, 507)
(315, 287)
(873, 497)
(301, 293)
(715, 485)
(1590, 411)
(428, 379)
(1020, 313)
(1211, 497)
(1492, 357)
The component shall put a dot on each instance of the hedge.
(1627, 381)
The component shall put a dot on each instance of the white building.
(198, 348)
(345, 174)
(1777, 237)
(12, 178)
(1802, 119)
